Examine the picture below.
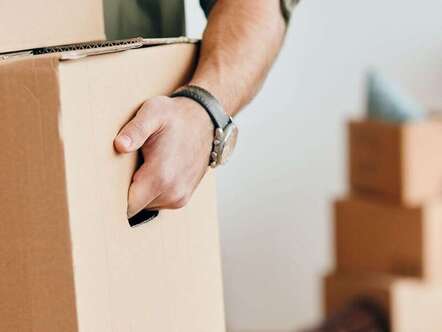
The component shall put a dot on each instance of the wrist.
(219, 91)
(196, 113)
(225, 133)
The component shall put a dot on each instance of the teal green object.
(387, 102)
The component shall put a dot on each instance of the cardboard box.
(68, 259)
(400, 163)
(376, 237)
(412, 306)
(29, 24)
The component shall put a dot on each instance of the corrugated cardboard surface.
(36, 281)
(162, 276)
(399, 163)
(413, 306)
(376, 237)
(422, 162)
(342, 289)
(28, 24)
(375, 158)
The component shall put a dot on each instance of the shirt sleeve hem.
(287, 7)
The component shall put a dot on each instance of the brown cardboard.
(413, 306)
(68, 259)
(30, 24)
(400, 163)
(376, 237)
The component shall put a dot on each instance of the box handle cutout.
(143, 217)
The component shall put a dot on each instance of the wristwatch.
(226, 132)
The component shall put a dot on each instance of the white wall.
(274, 196)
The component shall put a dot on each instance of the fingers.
(177, 192)
(174, 198)
(145, 123)
(175, 136)
(153, 188)
(144, 189)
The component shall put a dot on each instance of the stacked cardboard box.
(388, 231)
(68, 259)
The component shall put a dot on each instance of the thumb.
(133, 135)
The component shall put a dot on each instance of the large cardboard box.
(371, 236)
(412, 306)
(68, 259)
(28, 24)
(400, 163)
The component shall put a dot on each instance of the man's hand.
(175, 136)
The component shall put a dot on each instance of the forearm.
(239, 45)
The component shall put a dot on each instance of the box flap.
(38, 23)
(72, 52)
(36, 277)
(81, 50)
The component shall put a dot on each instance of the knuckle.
(156, 102)
(178, 198)
(162, 99)
(156, 108)
(138, 129)
(174, 119)
(147, 105)
(165, 181)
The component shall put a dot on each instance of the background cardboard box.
(37, 23)
(412, 306)
(68, 259)
(371, 236)
(400, 163)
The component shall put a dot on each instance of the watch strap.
(203, 97)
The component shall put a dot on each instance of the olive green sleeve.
(286, 7)
(207, 5)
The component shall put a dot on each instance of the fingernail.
(125, 141)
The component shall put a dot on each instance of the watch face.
(230, 138)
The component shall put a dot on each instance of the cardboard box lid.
(30, 24)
